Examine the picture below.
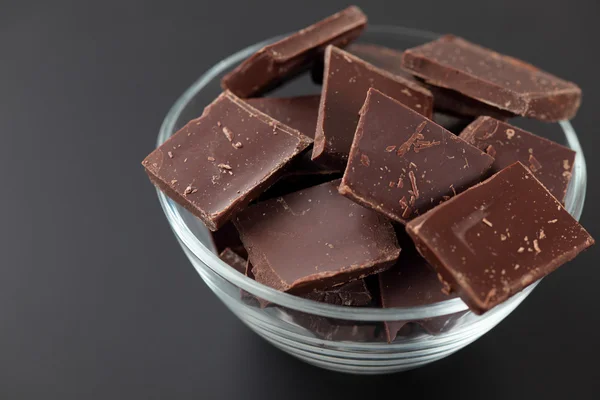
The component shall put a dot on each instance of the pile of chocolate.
(328, 190)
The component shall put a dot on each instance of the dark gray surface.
(96, 299)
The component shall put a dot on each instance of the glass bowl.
(348, 339)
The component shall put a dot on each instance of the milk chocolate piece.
(550, 162)
(315, 239)
(218, 163)
(495, 79)
(498, 237)
(249, 298)
(234, 260)
(411, 283)
(299, 113)
(446, 100)
(335, 329)
(347, 79)
(452, 102)
(382, 57)
(403, 164)
(353, 293)
(272, 64)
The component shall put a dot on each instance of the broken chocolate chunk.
(234, 260)
(347, 79)
(412, 282)
(299, 113)
(315, 239)
(414, 164)
(445, 100)
(498, 237)
(549, 161)
(455, 103)
(210, 177)
(495, 79)
(382, 57)
(272, 64)
(335, 329)
(353, 293)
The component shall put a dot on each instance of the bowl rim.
(574, 205)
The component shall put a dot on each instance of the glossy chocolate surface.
(498, 237)
(218, 163)
(403, 164)
(315, 239)
(271, 65)
(549, 161)
(498, 80)
(347, 79)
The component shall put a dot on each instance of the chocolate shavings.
(364, 160)
(534, 164)
(424, 144)
(228, 133)
(413, 183)
(405, 147)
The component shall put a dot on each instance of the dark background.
(97, 301)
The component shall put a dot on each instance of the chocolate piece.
(315, 239)
(272, 64)
(249, 298)
(234, 260)
(411, 283)
(445, 100)
(299, 113)
(495, 79)
(227, 237)
(403, 164)
(549, 161)
(451, 122)
(336, 329)
(353, 293)
(346, 82)
(453, 102)
(218, 163)
(382, 57)
(498, 237)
